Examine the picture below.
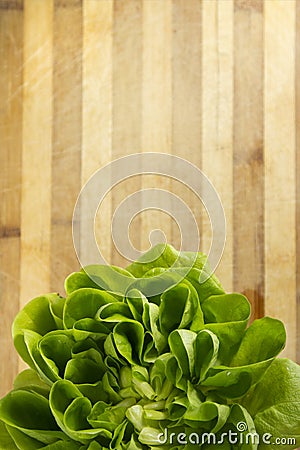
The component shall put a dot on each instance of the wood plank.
(187, 99)
(37, 148)
(11, 57)
(280, 187)
(157, 106)
(11, 4)
(97, 110)
(297, 62)
(217, 88)
(104, 79)
(66, 155)
(248, 156)
(127, 103)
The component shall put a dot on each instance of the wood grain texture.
(217, 142)
(11, 4)
(279, 167)
(213, 81)
(11, 57)
(248, 159)
(37, 149)
(97, 110)
(127, 101)
(67, 135)
(156, 106)
(297, 87)
(187, 98)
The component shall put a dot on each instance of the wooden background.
(85, 82)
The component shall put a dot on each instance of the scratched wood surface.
(83, 82)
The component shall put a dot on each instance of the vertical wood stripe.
(127, 100)
(157, 104)
(186, 96)
(217, 89)
(210, 102)
(297, 86)
(37, 149)
(279, 122)
(67, 117)
(248, 159)
(97, 109)
(11, 57)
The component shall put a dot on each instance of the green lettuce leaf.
(275, 405)
(39, 424)
(226, 315)
(157, 349)
(40, 316)
(5, 438)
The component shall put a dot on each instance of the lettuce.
(148, 358)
